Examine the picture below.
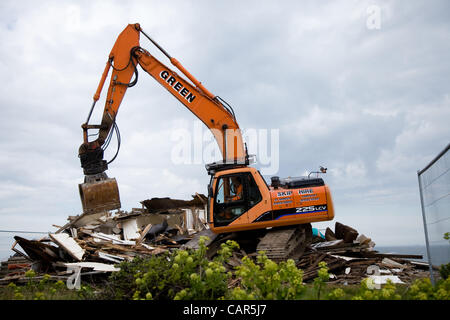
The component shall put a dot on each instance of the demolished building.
(95, 243)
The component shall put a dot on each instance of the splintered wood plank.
(144, 233)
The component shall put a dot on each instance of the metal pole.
(156, 44)
(430, 266)
(90, 112)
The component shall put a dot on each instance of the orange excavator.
(239, 199)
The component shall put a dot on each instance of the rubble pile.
(94, 243)
(351, 257)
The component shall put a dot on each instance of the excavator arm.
(123, 60)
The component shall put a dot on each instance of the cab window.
(229, 201)
(235, 194)
(254, 195)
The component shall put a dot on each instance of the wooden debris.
(39, 251)
(110, 257)
(372, 254)
(349, 261)
(348, 234)
(234, 261)
(328, 244)
(144, 233)
(333, 265)
(161, 204)
(100, 241)
(193, 244)
(362, 239)
(329, 235)
(423, 265)
(391, 263)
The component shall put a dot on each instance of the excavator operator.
(236, 188)
(235, 193)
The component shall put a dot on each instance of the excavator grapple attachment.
(100, 195)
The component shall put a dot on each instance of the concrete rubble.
(94, 244)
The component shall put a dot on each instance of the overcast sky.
(361, 87)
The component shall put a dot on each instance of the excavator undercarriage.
(279, 244)
(286, 242)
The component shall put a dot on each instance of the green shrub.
(336, 294)
(180, 274)
(43, 289)
(387, 292)
(444, 271)
(422, 289)
(266, 279)
(322, 277)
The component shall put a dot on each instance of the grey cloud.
(369, 104)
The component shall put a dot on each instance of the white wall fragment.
(99, 236)
(96, 266)
(384, 279)
(130, 229)
(69, 244)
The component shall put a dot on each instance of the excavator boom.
(124, 58)
(100, 192)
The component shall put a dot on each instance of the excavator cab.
(240, 199)
(235, 197)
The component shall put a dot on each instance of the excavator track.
(286, 243)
